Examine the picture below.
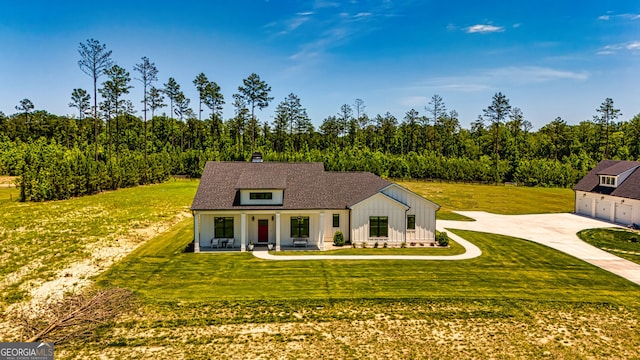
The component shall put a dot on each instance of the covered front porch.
(225, 231)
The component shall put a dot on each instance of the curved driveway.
(557, 231)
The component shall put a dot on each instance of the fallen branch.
(76, 316)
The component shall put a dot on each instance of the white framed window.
(608, 180)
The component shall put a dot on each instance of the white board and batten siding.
(423, 209)
(378, 205)
(343, 225)
(396, 203)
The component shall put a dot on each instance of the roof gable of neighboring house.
(305, 185)
(629, 179)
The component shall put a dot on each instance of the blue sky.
(550, 58)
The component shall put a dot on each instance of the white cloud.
(492, 79)
(484, 28)
(362, 14)
(414, 101)
(632, 46)
(621, 16)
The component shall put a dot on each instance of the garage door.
(585, 205)
(603, 210)
(623, 214)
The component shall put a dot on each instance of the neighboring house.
(290, 204)
(611, 192)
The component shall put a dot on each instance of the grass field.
(620, 242)
(517, 300)
(40, 239)
(496, 199)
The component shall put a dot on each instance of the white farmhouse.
(291, 204)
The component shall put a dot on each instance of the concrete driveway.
(557, 231)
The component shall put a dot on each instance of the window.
(411, 222)
(260, 196)
(300, 226)
(223, 227)
(336, 220)
(378, 226)
(608, 180)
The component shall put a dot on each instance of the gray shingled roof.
(306, 185)
(630, 187)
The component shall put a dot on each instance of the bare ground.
(576, 333)
(77, 276)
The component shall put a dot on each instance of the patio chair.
(215, 242)
(231, 243)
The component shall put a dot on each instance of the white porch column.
(243, 232)
(277, 231)
(593, 207)
(321, 232)
(196, 232)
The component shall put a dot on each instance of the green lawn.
(39, 239)
(518, 300)
(509, 269)
(620, 242)
(508, 200)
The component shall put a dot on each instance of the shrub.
(403, 245)
(364, 244)
(442, 238)
(385, 245)
(375, 245)
(338, 238)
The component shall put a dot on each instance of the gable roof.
(305, 185)
(629, 188)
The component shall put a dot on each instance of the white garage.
(624, 213)
(584, 206)
(603, 209)
(610, 192)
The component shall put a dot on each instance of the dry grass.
(372, 330)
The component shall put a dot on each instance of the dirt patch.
(77, 276)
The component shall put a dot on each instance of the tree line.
(106, 146)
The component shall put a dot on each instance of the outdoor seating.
(300, 242)
(215, 242)
(230, 243)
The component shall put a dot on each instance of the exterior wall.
(378, 205)
(206, 225)
(608, 208)
(207, 231)
(424, 210)
(329, 230)
(276, 199)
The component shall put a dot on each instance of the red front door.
(263, 231)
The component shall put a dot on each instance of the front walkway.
(471, 252)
